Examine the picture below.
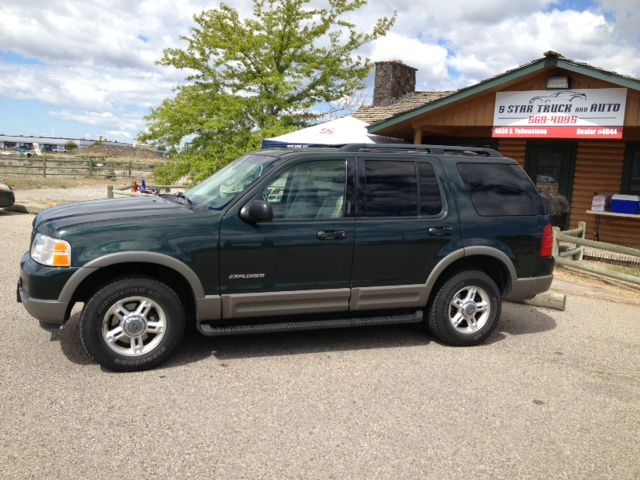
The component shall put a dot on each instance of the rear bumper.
(523, 288)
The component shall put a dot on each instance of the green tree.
(257, 77)
(70, 146)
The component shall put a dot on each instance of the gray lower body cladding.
(213, 330)
(523, 288)
(46, 311)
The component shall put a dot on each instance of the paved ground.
(551, 395)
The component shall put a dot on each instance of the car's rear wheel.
(465, 309)
(132, 324)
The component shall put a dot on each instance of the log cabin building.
(573, 127)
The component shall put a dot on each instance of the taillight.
(546, 248)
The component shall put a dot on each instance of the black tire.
(472, 329)
(160, 324)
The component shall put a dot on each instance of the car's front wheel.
(465, 309)
(132, 324)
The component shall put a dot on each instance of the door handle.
(440, 231)
(331, 235)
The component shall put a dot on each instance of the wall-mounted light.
(558, 82)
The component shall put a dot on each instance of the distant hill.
(109, 150)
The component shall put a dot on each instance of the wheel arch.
(495, 263)
(169, 270)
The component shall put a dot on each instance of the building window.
(631, 171)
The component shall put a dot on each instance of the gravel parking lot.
(551, 395)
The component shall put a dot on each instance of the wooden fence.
(126, 191)
(46, 166)
(577, 238)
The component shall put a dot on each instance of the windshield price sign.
(593, 113)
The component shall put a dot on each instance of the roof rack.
(434, 149)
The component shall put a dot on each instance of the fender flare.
(131, 257)
(465, 252)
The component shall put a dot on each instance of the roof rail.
(434, 149)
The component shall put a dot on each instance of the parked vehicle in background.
(296, 239)
(7, 197)
(29, 152)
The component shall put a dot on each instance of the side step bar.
(215, 331)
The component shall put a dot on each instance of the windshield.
(224, 185)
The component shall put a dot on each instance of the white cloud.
(429, 59)
(97, 57)
(120, 122)
(583, 36)
(96, 32)
(83, 86)
(482, 53)
(120, 133)
(483, 39)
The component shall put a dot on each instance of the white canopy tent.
(335, 132)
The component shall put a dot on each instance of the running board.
(215, 331)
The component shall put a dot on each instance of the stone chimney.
(394, 79)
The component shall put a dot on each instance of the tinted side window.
(312, 190)
(499, 189)
(391, 189)
(430, 199)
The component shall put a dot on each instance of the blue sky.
(87, 68)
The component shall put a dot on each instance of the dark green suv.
(286, 240)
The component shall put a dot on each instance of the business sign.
(595, 113)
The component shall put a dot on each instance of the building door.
(631, 173)
(551, 166)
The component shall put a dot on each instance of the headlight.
(51, 251)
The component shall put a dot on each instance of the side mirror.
(256, 211)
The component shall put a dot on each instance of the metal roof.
(81, 142)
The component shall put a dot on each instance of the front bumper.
(47, 311)
(39, 289)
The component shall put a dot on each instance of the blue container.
(625, 204)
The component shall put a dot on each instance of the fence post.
(109, 191)
(556, 243)
(44, 167)
(129, 167)
(91, 167)
(583, 227)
